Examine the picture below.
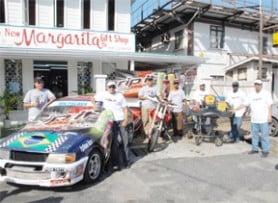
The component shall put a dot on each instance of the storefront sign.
(27, 37)
(275, 39)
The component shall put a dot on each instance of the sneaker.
(253, 152)
(276, 166)
(264, 154)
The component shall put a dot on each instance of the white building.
(67, 42)
(225, 35)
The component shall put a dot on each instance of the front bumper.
(41, 173)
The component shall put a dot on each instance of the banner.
(45, 38)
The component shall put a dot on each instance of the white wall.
(236, 41)
(72, 14)
(2, 76)
(158, 46)
(45, 13)
(15, 15)
(122, 16)
(72, 77)
(99, 15)
(28, 75)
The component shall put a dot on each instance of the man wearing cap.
(235, 99)
(260, 103)
(199, 95)
(37, 98)
(115, 102)
(148, 90)
(177, 97)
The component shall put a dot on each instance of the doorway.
(54, 74)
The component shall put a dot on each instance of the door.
(55, 76)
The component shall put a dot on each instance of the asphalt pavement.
(178, 172)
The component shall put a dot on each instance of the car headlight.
(4, 153)
(61, 158)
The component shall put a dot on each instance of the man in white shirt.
(260, 103)
(235, 99)
(148, 90)
(115, 102)
(36, 99)
(177, 97)
(199, 95)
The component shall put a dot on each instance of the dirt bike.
(161, 118)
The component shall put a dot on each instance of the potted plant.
(7, 102)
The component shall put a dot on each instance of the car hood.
(44, 141)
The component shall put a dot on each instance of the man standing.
(199, 95)
(235, 99)
(259, 102)
(148, 90)
(37, 98)
(115, 102)
(177, 97)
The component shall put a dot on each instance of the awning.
(242, 62)
(99, 55)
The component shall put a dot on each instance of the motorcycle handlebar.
(158, 100)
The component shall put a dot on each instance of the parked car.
(274, 124)
(68, 142)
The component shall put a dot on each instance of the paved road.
(182, 172)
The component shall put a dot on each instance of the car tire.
(93, 167)
(274, 128)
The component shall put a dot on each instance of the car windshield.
(66, 115)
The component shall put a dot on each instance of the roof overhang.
(248, 60)
(151, 58)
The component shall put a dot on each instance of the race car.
(68, 142)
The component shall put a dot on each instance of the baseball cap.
(149, 77)
(258, 81)
(235, 83)
(38, 79)
(176, 81)
(111, 83)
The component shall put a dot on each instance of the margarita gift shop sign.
(43, 38)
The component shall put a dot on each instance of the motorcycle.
(160, 119)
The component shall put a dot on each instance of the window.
(59, 11)
(242, 73)
(179, 39)
(30, 12)
(86, 13)
(111, 15)
(2, 11)
(217, 77)
(216, 37)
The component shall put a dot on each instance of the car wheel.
(274, 128)
(93, 168)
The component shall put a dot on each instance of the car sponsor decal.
(71, 103)
(86, 145)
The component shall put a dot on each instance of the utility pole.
(261, 41)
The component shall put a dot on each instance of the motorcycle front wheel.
(153, 139)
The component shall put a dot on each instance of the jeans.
(262, 128)
(119, 150)
(236, 123)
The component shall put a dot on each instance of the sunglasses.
(112, 86)
(176, 83)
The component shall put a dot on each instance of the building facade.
(67, 42)
(224, 33)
